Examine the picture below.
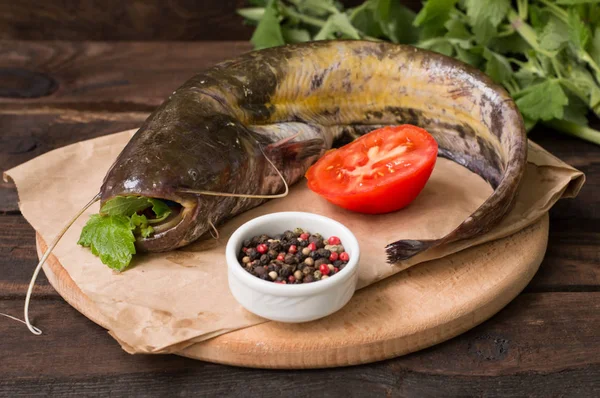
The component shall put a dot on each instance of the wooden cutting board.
(417, 308)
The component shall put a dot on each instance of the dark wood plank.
(540, 345)
(117, 77)
(122, 20)
(128, 20)
(18, 259)
(30, 134)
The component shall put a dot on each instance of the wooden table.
(546, 342)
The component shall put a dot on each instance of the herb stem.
(556, 67)
(522, 6)
(590, 61)
(556, 10)
(289, 12)
(527, 33)
(576, 130)
(357, 10)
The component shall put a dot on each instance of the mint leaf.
(125, 205)
(381, 9)
(492, 11)
(433, 16)
(139, 223)
(363, 19)
(543, 101)
(457, 29)
(316, 7)
(111, 238)
(511, 44)
(337, 23)
(576, 111)
(469, 56)
(595, 46)
(160, 209)
(291, 35)
(396, 22)
(268, 31)
(554, 34)
(485, 16)
(130, 205)
(579, 32)
(443, 47)
(497, 66)
(253, 14)
(572, 2)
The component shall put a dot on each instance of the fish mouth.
(175, 230)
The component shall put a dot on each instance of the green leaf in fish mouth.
(112, 233)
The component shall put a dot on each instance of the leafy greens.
(546, 53)
(111, 234)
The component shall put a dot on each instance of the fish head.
(173, 152)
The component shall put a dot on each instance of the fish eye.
(194, 174)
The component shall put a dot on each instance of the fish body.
(292, 103)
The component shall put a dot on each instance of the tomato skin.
(395, 189)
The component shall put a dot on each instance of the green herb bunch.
(546, 53)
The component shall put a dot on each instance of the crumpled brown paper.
(169, 301)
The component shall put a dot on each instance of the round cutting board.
(417, 308)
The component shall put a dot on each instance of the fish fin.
(407, 248)
(288, 150)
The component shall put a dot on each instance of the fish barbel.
(290, 104)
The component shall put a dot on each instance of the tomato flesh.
(380, 172)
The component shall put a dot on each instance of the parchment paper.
(168, 301)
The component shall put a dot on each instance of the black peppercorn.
(317, 240)
(275, 245)
(290, 259)
(286, 270)
(273, 253)
(288, 235)
(324, 253)
(338, 263)
(256, 263)
(247, 243)
(263, 238)
(260, 270)
(253, 254)
(308, 278)
(320, 261)
(264, 259)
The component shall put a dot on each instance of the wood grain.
(117, 77)
(129, 20)
(540, 345)
(122, 20)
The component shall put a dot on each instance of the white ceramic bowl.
(292, 303)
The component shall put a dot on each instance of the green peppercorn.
(308, 270)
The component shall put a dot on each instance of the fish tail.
(407, 248)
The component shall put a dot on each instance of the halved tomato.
(380, 172)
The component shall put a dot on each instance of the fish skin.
(208, 135)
